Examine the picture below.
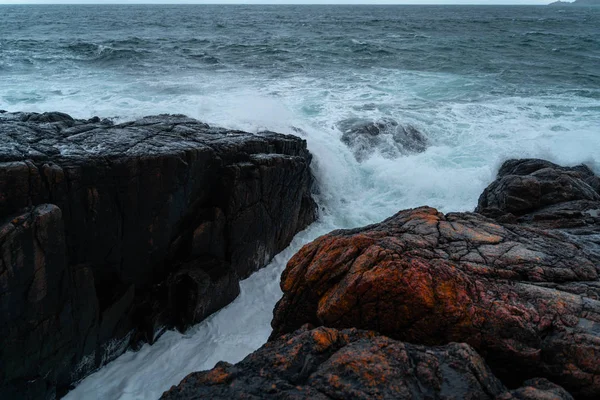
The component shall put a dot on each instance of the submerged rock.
(162, 217)
(326, 363)
(385, 136)
(524, 294)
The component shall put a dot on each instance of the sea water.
(482, 83)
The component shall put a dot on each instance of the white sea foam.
(470, 134)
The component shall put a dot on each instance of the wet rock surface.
(385, 136)
(523, 289)
(526, 185)
(511, 301)
(159, 220)
(430, 278)
(326, 363)
(538, 193)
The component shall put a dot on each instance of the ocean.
(482, 83)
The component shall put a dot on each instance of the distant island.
(576, 3)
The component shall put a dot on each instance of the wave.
(544, 34)
(205, 58)
(107, 54)
(112, 53)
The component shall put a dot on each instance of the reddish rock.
(326, 363)
(526, 299)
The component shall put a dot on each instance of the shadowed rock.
(326, 363)
(537, 389)
(385, 136)
(523, 186)
(526, 299)
(48, 310)
(162, 215)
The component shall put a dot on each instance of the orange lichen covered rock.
(525, 298)
(325, 363)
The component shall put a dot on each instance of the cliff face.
(113, 233)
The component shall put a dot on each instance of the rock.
(526, 299)
(200, 288)
(48, 308)
(326, 363)
(538, 193)
(385, 136)
(163, 216)
(526, 185)
(48, 117)
(537, 389)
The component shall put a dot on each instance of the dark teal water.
(516, 45)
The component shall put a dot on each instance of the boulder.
(538, 193)
(326, 363)
(527, 299)
(161, 216)
(525, 185)
(386, 136)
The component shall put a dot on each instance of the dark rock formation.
(538, 193)
(525, 296)
(47, 309)
(527, 185)
(385, 136)
(537, 389)
(161, 216)
(326, 363)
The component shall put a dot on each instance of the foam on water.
(469, 139)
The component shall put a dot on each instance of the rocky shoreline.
(501, 303)
(112, 233)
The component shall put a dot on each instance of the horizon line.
(279, 2)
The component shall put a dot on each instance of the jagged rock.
(160, 216)
(526, 185)
(385, 136)
(538, 193)
(325, 363)
(525, 298)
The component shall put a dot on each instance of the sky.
(276, 1)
